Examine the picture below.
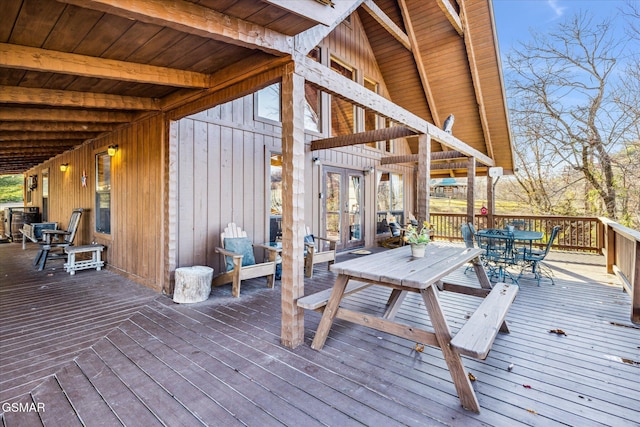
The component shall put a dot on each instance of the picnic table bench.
(398, 270)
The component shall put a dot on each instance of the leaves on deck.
(472, 377)
(557, 332)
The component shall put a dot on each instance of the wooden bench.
(318, 300)
(95, 262)
(476, 337)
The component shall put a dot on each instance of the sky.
(515, 18)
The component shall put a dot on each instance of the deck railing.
(622, 252)
(620, 245)
(581, 234)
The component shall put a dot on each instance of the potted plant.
(418, 238)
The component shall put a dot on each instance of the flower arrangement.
(413, 235)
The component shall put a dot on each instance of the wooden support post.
(490, 202)
(423, 178)
(293, 227)
(471, 180)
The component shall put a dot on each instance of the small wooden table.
(398, 270)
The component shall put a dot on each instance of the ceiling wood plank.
(422, 72)
(64, 115)
(451, 14)
(475, 75)
(41, 144)
(35, 126)
(61, 98)
(50, 61)
(335, 84)
(36, 136)
(362, 138)
(194, 19)
(376, 13)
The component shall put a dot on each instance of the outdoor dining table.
(398, 270)
(519, 235)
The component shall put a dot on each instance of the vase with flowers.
(418, 238)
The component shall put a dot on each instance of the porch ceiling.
(72, 70)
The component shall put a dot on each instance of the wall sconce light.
(368, 170)
(111, 151)
(316, 161)
(64, 167)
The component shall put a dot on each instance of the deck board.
(98, 349)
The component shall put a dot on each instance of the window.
(275, 219)
(370, 118)
(313, 104)
(268, 100)
(390, 199)
(342, 112)
(268, 105)
(103, 193)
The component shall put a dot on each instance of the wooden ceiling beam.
(335, 84)
(50, 61)
(63, 98)
(452, 15)
(438, 156)
(35, 136)
(362, 138)
(191, 18)
(317, 11)
(376, 13)
(36, 126)
(449, 166)
(9, 114)
(312, 37)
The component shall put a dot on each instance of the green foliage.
(415, 235)
(11, 188)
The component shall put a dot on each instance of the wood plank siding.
(135, 245)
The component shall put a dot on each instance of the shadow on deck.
(97, 349)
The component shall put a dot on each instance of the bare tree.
(570, 107)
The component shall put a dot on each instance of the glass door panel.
(333, 204)
(353, 205)
(342, 207)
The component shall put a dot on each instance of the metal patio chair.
(533, 259)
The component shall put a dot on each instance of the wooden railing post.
(609, 247)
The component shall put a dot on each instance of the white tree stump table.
(193, 284)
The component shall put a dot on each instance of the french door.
(343, 190)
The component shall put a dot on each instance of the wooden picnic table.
(401, 272)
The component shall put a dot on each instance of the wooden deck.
(96, 349)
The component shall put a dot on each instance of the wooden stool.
(95, 262)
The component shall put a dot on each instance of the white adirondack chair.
(318, 251)
(242, 272)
